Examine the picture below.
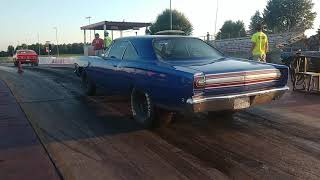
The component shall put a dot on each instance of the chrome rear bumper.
(219, 103)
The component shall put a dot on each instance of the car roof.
(171, 32)
(153, 37)
(143, 44)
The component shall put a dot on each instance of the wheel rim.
(140, 106)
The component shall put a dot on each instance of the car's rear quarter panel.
(168, 87)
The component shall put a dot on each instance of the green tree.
(289, 15)
(179, 22)
(10, 50)
(3, 54)
(256, 20)
(232, 29)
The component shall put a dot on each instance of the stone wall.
(244, 44)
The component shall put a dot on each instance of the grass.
(70, 55)
(5, 59)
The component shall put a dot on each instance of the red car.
(26, 57)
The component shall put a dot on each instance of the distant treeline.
(74, 48)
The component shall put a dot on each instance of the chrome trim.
(243, 84)
(196, 100)
(225, 80)
(263, 76)
(243, 78)
(198, 74)
(239, 72)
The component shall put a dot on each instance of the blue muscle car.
(165, 74)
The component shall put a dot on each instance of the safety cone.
(20, 70)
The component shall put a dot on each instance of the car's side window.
(131, 53)
(117, 50)
(106, 54)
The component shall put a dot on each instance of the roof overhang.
(112, 25)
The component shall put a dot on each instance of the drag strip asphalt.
(95, 138)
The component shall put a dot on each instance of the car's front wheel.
(88, 85)
(145, 113)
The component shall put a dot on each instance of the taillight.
(199, 81)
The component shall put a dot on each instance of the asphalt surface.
(22, 156)
(94, 137)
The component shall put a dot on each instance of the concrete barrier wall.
(55, 60)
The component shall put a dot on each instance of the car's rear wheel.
(145, 113)
(221, 115)
(35, 64)
(88, 86)
(16, 63)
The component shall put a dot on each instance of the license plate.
(241, 103)
(27, 59)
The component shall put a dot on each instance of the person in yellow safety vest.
(107, 40)
(260, 45)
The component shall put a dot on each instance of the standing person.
(98, 45)
(260, 45)
(107, 40)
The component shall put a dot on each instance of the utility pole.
(89, 17)
(170, 15)
(57, 40)
(215, 26)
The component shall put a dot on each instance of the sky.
(23, 21)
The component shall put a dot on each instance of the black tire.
(221, 115)
(145, 113)
(88, 86)
(78, 70)
(15, 64)
(35, 64)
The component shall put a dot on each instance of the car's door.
(126, 69)
(109, 72)
(97, 68)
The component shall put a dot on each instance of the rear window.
(26, 52)
(184, 49)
